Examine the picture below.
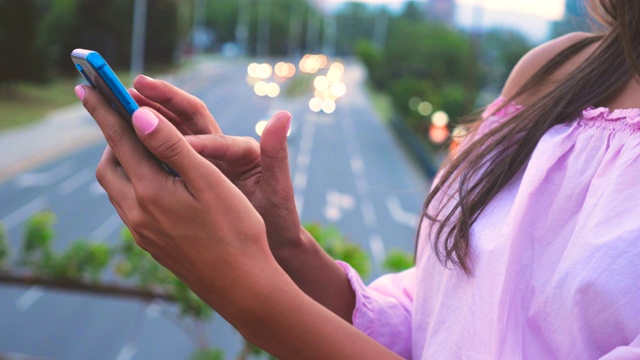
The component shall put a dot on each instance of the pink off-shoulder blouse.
(556, 259)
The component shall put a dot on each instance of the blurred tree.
(57, 32)
(223, 17)
(5, 252)
(21, 58)
(355, 23)
(433, 62)
(106, 26)
(82, 265)
(413, 11)
(500, 50)
(398, 260)
(423, 60)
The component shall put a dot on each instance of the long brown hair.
(470, 179)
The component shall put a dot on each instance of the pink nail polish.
(79, 89)
(144, 120)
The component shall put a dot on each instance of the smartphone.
(101, 77)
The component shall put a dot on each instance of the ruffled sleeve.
(630, 352)
(384, 308)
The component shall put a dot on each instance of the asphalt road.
(347, 169)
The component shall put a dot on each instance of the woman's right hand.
(259, 170)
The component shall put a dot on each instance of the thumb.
(164, 141)
(274, 152)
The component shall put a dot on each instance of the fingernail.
(289, 123)
(288, 116)
(144, 120)
(79, 89)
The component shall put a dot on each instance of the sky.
(549, 9)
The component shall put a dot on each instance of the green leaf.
(38, 238)
(83, 261)
(208, 354)
(397, 260)
(339, 247)
(190, 304)
(5, 249)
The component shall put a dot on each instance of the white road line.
(399, 214)
(112, 224)
(29, 298)
(154, 309)
(76, 181)
(127, 352)
(23, 213)
(378, 252)
(96, 189)
(32, 179)
(369, 214)
(359, 173)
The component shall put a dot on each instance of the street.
(347, 169)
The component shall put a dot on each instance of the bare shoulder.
(533, 60)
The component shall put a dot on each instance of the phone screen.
(99, 74)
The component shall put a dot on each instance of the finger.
(120, 136)
(274, 153)
(190, 109)
(175, 120)
(115, 182)
(223, 148)
(164, 141)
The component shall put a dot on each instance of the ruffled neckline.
(629, 115)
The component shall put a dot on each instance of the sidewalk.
(72, 128)
(59, 133)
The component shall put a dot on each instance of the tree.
(81, 267)
(21, 59)
(500, 50)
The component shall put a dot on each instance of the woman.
(529, 245)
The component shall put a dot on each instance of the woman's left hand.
(199, 225)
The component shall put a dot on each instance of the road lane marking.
(337, 204)
(399, 214)
(76, 181)
(359, 173)
(111, 225)
(45, 178)
(369, 213)
(127, 352)
(24, 212)
(378, 252)
(96, 189)
(154, 309)
(24, 302)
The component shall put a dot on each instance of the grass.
(381, 102)
(25, 103)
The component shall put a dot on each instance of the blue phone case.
(100, 76)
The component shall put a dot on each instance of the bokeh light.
(440, 118)
(273, 89)
(425, 108)
(260, 126)
(438, 134)
(315, 104)
(328, 106)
